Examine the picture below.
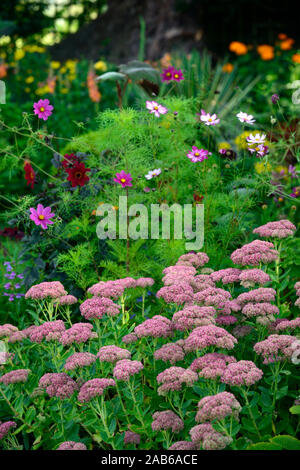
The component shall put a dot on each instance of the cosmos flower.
(151, 174)
(209, 119)
(124, 179)
(43, 109)
(29, 174)
(77, 174)
(256, 139)
(41, 216)
(177, 75)
(260, 150)
(155, 108)
(246, 118)
(167, 74)
(198, 155)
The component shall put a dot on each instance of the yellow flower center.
(156, 108)
(176, 75)
(123, 180)
(42, 109)
(197, 154)
(41, 217)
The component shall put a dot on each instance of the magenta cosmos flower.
(209, 119)
(155, 108)
(167, 74)
(41, 216)
(43, 109)
(198, 155)
(124, 179)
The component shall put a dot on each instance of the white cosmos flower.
(244, 117)
(151, 174)
(256, 139)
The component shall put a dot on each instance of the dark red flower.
(69, 160)
(77, 174)
(29, 174)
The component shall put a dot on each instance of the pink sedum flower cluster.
(78, 360)
(279, 229)
(155, 327)
(206, 437)
(227, 276)
(15, 376)
(193, 259)
(254, 253)
(164, 420)
(58, 385)
(131, 437)
(44, 290)
(250, 277)
(218, 407)
(49, 331)
(126, 368)
(205, 336)
(113, 354)
(241, 373)
(78, 333)
(6, 427)
(72, 445)
(94, 388)
(193, 316)
(173, 378)
(172, 352)
(211, 365)
(176, 293)
(277, 348)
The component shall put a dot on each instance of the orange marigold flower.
(296, 58)
(3, 70)
(282, 36)
(266, 52)
(238, 47)
(287, 44)
(227, 68)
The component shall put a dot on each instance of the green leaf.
(295, 410)
(264, 446)
(111, 76)
(137, 70)
(287, 442)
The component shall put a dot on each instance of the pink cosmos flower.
(167, 74)
(43, 109)
(41, 216)
(155, 108)
(256, 139)
(124, 179)
(244, 117)
(177, 75)
(209, 119)
(198, 155)
(260, 150)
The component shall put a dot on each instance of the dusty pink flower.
(183, 445)
(131, 437)
(193, 316)
(72, 445)
(67, 300)
(58, 385)
(202, 282)
(96, 307)
(226, 320)
(130, 338)
(279, 229)
(125, 368)
(155, 327)
(17, 336)
(255, 253)
(177, 278)
(172, 352)
(7, 329)
(259, 309)
(53, 289)
(229, 307)
(6, 427)
(262, 294)
(288, 324)
(144, 282)
(205, 336)
(177, 293)
(127, 282)
(277, 348)
(94, 388)
(41, 216)
(107, 289)
(164, 420)
(113, 353)
(218, 407)
(211, 365)
(124, 179)
(173, 378)
(227, 276)
(49, 330)
(193, 259)
(241, 373)
(250, 277)
(180, 269)
(78, 360)
(208, 438)
(15, 376)
(212, 296)
(240, 331)
(78, 333)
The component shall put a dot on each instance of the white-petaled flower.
(209, 119)
(244, 117)
(256, 139)
(155, 108)
(151, 174)
(260, 149)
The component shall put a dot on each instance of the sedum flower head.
(164, 420)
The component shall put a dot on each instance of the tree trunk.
(115, 35)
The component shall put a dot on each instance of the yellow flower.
(101, 66)
(71, 76)
(29, 79)
(63, 69)
(224, 145)
(227, 68)
(64, 90)
(19, 54)
(27, 89)
(241, 141)
(71, 64)
(55, 64)
(239, 48)
(42, 90)
(261, 167)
